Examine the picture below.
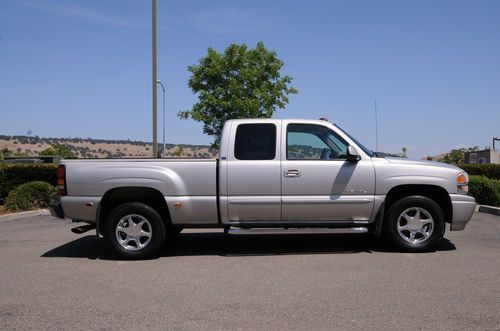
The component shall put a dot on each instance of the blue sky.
(83, 68)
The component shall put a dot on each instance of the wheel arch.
(120, 195)
(436, 193)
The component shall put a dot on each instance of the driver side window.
(314, 142)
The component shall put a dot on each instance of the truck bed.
(190, 182)
(169, 176)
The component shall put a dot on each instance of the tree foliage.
(239, 83)
(59, 150)
(30, 195)
(491, 170)
(457, 156)
(485, 190)
(4, 152)
(12, 175)
(404, 152)
(179, 152)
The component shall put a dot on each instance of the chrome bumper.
(463, 208)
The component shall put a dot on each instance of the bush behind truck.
(13, 175)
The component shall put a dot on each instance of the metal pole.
(163, 120)
(155, 120)
(495, 139)
(163, 89)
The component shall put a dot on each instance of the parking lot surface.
(51, 278)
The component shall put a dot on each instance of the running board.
(241, 231)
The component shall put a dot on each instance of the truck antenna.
(376, 127)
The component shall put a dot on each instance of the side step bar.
(241, 231)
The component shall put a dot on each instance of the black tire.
(401, 227)
(145, 226)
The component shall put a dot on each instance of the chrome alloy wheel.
(133, 232)
(415, 225)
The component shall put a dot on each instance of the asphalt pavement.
(51, 278)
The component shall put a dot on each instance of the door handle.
(292, 173)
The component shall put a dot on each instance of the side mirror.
(352, 154)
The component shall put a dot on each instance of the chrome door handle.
(292, 173)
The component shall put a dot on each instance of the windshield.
(365, 149)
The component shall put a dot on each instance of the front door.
(318, 183)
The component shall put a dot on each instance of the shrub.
(31, 195)
(58, 149)
(12, 175)
(485, 190)
(489, 170)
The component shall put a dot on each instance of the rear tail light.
(61, 179)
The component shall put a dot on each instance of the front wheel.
(135, 231)
(414, 224)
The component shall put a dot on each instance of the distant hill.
(99, 148)
(438, 158)
(102, 148)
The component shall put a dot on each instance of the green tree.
(179, 152)
(57, 149)
(457, 156)
(5, 153)
(404, 153)
(239, 83)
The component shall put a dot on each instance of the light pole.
(155, 120)
(163, 88)
(495, 139)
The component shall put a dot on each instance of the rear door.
(318, 183)
(254, 171)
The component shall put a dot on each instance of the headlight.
(462, 183)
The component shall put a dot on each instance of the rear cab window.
(255, 142)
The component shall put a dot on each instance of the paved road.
(53, 279)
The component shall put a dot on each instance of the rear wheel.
(135, 231)
(414, 224)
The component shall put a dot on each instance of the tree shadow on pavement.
(199, 244)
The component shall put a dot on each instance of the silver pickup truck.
(272, 176)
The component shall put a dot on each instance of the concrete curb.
(489, 210)
(23, 214)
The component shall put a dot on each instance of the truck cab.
(293, 172)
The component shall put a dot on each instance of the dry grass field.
(91, 148)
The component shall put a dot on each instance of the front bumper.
(56, 209)
(463, 208)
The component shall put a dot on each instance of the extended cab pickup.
(272, 176)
